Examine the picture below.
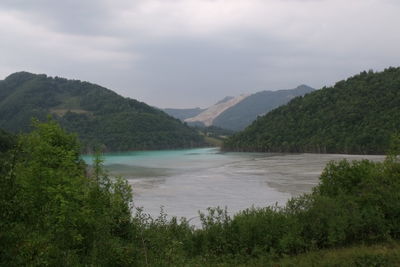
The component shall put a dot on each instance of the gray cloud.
(182, 53)
(72, 16)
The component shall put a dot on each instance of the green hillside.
(98, 115)
(357, 115)
(6, 141)
(241, 115)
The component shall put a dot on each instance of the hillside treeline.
(99, 116)
(356, 116)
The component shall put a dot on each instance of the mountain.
(98, 115)
(183, 113)
(236, 113)
(242, 114)
(358, 115)
(207, 117)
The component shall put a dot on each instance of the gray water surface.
(187, 181)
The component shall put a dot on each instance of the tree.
(54, 213)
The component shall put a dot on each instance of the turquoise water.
(187, 181)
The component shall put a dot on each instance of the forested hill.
(6, 141)
(357, 115)
(98, 115)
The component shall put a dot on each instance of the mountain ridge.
(241, 111)
(239, 116)
(207, 117)
(183, 113)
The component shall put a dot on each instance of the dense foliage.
(213, 135)
(357, 115)
(241, 115)
(99, 116)
(214, 131)
(7, 141)
(54, 211)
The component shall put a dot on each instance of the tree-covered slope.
(99, 116)
(357, 115)
(6, 141)
(242, 114)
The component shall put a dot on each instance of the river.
(184, 182)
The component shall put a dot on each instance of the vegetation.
(7, 141)
(214, 132)
(54, 211)
(386, 254)
(357, 115)
(213, 135)
(99, 116)
(241, 115)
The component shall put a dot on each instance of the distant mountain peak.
(303, 86)
(207, 117)
(225, 99)
(245, 112)
(235, 113)
(183, 113)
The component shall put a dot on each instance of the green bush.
(54, 213)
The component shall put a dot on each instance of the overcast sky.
(188, 53)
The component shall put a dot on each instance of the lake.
(187, 181)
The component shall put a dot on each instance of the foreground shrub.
(56, 214)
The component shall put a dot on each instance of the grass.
(385, 254)
(213, 141)
(377, 255)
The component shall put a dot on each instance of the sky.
(192, 53)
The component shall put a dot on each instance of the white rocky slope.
(207, 117)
